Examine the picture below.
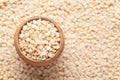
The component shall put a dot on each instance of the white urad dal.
(92, 35)
(39, 40)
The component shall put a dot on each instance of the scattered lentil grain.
(92, 33)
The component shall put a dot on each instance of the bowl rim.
(34, 62)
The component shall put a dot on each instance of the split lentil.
(39, 40)
(92, 39)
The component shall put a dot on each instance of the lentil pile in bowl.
(39, 40)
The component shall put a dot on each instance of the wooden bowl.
(34, 62)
